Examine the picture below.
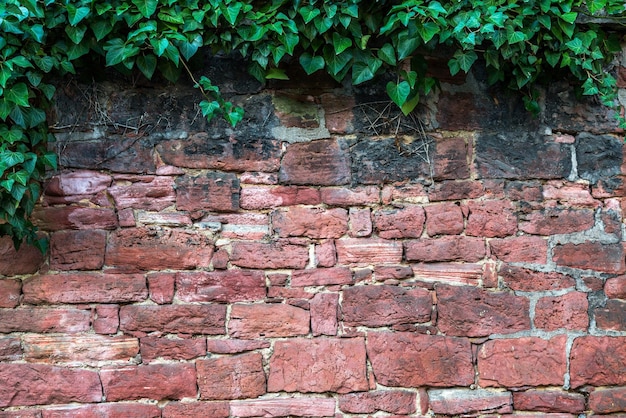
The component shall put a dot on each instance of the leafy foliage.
(519, 40)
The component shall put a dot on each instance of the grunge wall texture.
(324, 258)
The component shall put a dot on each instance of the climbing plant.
(519, 41)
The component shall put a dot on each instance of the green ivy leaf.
(159, 45)
(76, 14)
(398, 92)
(231, 11)
(208, 109)
(387, 54)
(276, 74)
(340, 43)
(146, 7)
(410, 104)
(147, 65)
(428, 30)
(576, 46)
(311, 63)
(569, 17)
(18, 94)
(365, 71)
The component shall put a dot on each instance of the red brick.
(232, 346)
(354, 196)
(196, 409)
(273, 255)
(491, 218)
(284, 407)
(326, 254)
(612, 316)
(549, 401)
(450, 248)
(615, 287)
(161, 286)
(554, 221)
(450, 159)
(10, 291)
(384, 305)
(247, 226)
(464, 401)
(338, 112)
(403, 359)
(158, 249)
(154, 381)
(322, 163)
(10, 349)
(360, 222)
(490, 274)
(324, 309)
(176, 319)
(473, 312)
(526, 361)
(21, 413)
(571, 194)
(228, 153)
(255, 177)
(77, 250)
(318, 365)
(38, 384)
(598, 361)
(321, 277)
(153, 348)
(26, 260)
(80, 182)
(43, 320)
(220, 286)
(568, 311)
(126, 218)
(109, 410)
(236, 377)
(310, 222)
(456, 190)
(525, 280)
(522, 249)
(392, 401)
(608, 258)
(171, 219)
(73, 217)
(85, 288)
(530, 191)
(368, 251)
(451, 273)
(606, 401)
(208, 192)
(406, 193)
(107, 319)
(220, 259)
(255, 198)
(407, 222)
(147, 192)
(398, 272)
(267, 320)
(78, 349)
(444, 219)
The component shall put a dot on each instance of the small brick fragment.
(549, 401)
(464, 401)
(161, 286)
(10, 349)
(107, 319)
(491, 218)
(444, 219)
(310, 222)
(392, 401)
(324, 310)
(10, 291)
(606, 401)
(360, 222)
(326, 254)
(407, 222)
(26, 260)
(612, 316)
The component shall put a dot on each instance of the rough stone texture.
(453, 248)
(38, 384)
(472, 312)
(462, 401)
(113, 410)
(612, 316)
(10, 349)
(42, 320)
(591, 255)
(324, 312)
(403, 359)
(598, 156)
(521, 249)
(145, 193)
(77, 250)
(606, 401)
(568, 311)
(85, 288)
(310, 222)
(322, 163)
(107, 319)
(377, 306)
(234, 346)
(79, 349)
(321, 365)
(274, 255)
(321, 277)
(491, 218)
(281, 407)
(155, 381)
(549, 401)
(392, 401)
(598, 361)
(407, 222)
(153, 348)
(184, 319)
(444, 219)
(525, 280)
(161, 287)
(26, 260)
(210, 192)
(615, 287)
(357, 251)
(10, 291)
(220, 286)
(557, 221)
(196, 409)
(255, 198)
(73, 217)
(236, 377)
(267, 320)
(526, 361)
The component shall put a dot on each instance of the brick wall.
(324, 258)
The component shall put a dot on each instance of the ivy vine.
(519, 40)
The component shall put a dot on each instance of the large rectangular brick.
(549, 401)
(267, 320)
(385, 305)
(606, 401)
(26, 260)
(77, 250)
(591, 255)
(284, 407)
(323, 163)
(208, 192)
(465, 401)
(491, 218)
(309, 222)
(598, 361)
(258, 197)
(10, 349)
(473, 312)
(57, 218)
(109, 410)
(153, 193)
(39, 384)
(612, 316)
(318, 365)
(403, 359)
(554, 221)
(444, 219)
(273, 255)
(526, 280)
(368, 251)
(175, 319)
(406, 222)
(10, 291)
(85, 288)
(572, 194)
(449, 248)
(233, 377)
(568, 311)
(522, 249)
(220, 286)
(79, 182)
(78, 349)
(196, 409)
(452, 273)
(153, 348)
(526, 361)
(44, 320)
(353, 196)
(155, 381)
(159, 249)
(321, 277)
(392, 401)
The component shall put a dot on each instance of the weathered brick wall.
(324, 258)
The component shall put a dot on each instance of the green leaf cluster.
(355, 40)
